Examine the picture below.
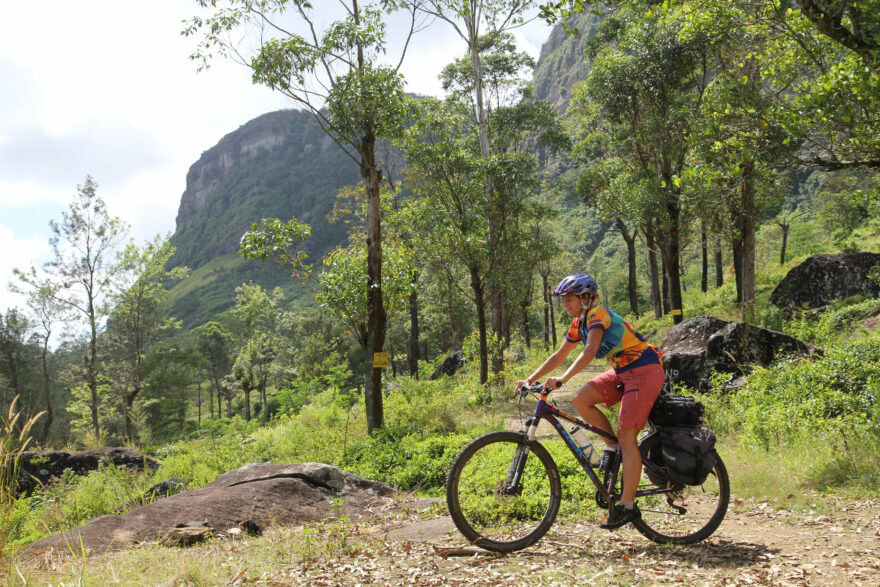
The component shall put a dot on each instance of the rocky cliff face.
(265, 135)
(278, 165)
(563, 63)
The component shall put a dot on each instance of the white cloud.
(18, 254)
(106, 88)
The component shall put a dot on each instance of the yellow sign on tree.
(380, 360)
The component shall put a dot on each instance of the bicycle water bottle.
(585, 446)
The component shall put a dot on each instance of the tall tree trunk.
(704, 249)
(228, 400)
(375, 305)
(129, 419)
(672, 256)
(737, 267)
(784, 226)
(632, 286)
(525, 321)
(747, 229)
(450, 312)
(47, 394)
(412, 348)
(719, 266)
(92, 367)
(477, 287)
(665, 283)
(545, 288)
(651, 244)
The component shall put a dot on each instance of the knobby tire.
(484, 512)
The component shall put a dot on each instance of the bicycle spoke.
(492, 511)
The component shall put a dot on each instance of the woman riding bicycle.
(636, 365)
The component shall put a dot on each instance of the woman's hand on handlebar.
(553, 383)
(520, 384)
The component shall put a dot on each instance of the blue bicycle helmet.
(576, 284)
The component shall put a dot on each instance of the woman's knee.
(586, 397)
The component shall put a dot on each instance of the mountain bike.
(504, 489)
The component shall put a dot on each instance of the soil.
(759, 543)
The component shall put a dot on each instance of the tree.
(257, 315)
(337, 76)
(81, 271)
(138, 317)
(14, 353)
(47, 311)
(480, 23)
(448, 208)
(643, 96)
(214, 345)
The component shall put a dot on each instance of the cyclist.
(636, 365)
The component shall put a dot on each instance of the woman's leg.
(641, 387)
(632, 462)
(585, 400)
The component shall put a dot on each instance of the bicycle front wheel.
(501, 496)
(688, 515)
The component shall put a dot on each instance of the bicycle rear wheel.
(487, 507)
(688, 515)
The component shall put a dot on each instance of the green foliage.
(828, 397)
(273, 239)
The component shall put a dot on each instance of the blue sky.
(105, 88)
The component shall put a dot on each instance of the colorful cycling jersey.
(621, 344)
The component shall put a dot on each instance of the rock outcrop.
(40, 468)
(821, 279)
(449, 366)
(695, 348)
(251, 498)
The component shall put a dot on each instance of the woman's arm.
(594, 339)
(552, 362)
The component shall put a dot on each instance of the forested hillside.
(279, 164)
(688, 155)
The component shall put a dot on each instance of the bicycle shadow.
(719, 553)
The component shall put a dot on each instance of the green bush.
(833, 394)
(411, 463)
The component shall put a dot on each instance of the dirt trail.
(757, 544)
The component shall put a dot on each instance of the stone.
(39, 468)
(186, 536)
(250, 498)
(449, 366)
(822, 279)
(695, 348)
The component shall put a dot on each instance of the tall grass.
(14, 439)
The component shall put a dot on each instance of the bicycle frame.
(552, 414)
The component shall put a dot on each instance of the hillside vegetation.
(711, 147)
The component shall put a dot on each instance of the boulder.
(695, 348)
(821, 279)
(252, 497)
(39, 468)
(449, 366)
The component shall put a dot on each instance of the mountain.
(562, 62)
(281, 165)
(277, 165)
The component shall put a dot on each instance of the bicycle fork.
(518, 464)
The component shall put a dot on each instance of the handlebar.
(536, 387)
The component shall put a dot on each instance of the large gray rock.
(40, 468)
(821, 279)
(449, 366)
(695, 348)
(252, 497)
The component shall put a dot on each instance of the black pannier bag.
(676, 410)
(688, 453)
